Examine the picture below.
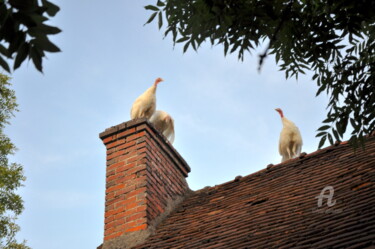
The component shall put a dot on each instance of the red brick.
(109, 213)
(126, 132)
(140, 181)
(141, 196)
(119, 210)
(125, 190)
(143, 160)
(128, 153)
(134, 158)
(110, 151)
(114, 235)
(109, 219)
(135, 136)
(142, 150)
(137, 169)
(126, 178)
(111, 177)
(143, 172)
(110, 225)
(126, 145)
(136, 216)
(119, 222)
(130, 224)
(115, 154)
(141, 221)
(115, 165)
(137, 228)
(125, 167)
(110, 172)
(143, 127)
(137, 191)
(142, 146)
(109, 196)
(109, 231)
(115, 188)
(120, 215)
(131, 205)
(108, 139)
(109, 205)
(129, 212)
(141, 208)
(114, 144)
(124, 202)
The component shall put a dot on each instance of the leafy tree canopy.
(23, 32)
(334, 39)
(11, 174)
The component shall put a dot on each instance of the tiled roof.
(277, 207)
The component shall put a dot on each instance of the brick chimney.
(145, 180)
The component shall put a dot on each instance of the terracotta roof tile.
(277, 207)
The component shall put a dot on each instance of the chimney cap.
(141, 124)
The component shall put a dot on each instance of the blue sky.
(223, 110)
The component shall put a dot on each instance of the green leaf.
(4, 64)
(352, 122)
(193, 44)
(151, 7)
(37, 58)
(42, 30)
(321, 89)
(52, 9)
(226, 46)
(38, 19)
(324, 127)
(235, 46)
(160, 3)
(3, 50)
(152, 17)
(160, 20)
(22, 53)
(45, 44)
(20, 4)
(320, 134)
(183, 39)
(336, 135)
(339, 127)
(186, 47)
(330, 138)
(328, 120)
(277, 57)
(322, 141)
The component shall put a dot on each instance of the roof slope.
(277, 207)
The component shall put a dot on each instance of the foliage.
(23, 32)
(11, 174)
(334, 39)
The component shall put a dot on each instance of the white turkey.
(144, 106)
(164, 123)
(290, 143)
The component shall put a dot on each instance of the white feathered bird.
(144, 106)
(290, 143)
(164, 123)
